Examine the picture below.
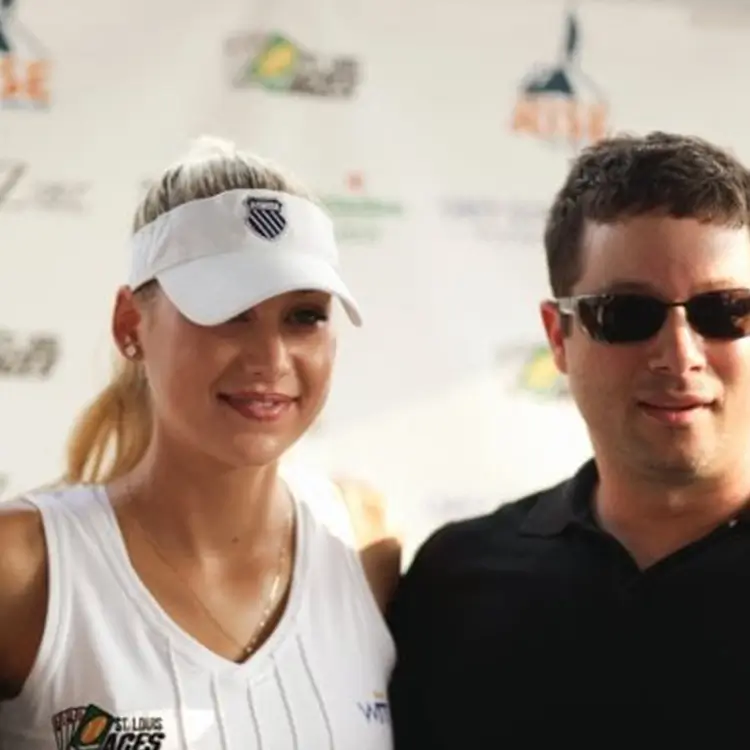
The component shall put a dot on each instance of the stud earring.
(130, 350)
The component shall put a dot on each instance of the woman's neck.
(194, 505)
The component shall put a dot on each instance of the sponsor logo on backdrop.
(24, 63)
(494, 220)
(275, 62)
(22, 189)
(359, 216)
(559, 103)
(533, 371)
(539, 374)
(28, 357)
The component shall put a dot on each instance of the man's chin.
(677, 466)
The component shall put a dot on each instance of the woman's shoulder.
(21, 536)
(357, 512)
(23, 590)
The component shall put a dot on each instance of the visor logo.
(265, 216)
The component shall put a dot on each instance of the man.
(617, 604)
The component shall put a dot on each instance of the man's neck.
(653, 519)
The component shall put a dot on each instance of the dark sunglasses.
(632, 318)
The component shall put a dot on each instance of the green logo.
(93, 730)
(359, 216)
(275, 62)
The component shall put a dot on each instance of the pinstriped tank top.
(114, 672)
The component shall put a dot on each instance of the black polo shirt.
(531, 624)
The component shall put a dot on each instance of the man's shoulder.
(455, 558)
(492, 534)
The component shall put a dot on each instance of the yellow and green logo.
(539, 375)
(274, 67)
(275, 62)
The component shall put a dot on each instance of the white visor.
(217, 257)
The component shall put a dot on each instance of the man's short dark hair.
(677, 175)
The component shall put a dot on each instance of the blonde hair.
(112, 434)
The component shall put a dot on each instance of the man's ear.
(554, 328)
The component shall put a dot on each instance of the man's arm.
(415, 620)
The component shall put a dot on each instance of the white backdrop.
(438, 197)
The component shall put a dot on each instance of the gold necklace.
(272, 598)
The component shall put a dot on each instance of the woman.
(188, 593)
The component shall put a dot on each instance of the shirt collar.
(567, 503)
(570, 503)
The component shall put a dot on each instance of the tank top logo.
(93, 728)
(376, 710)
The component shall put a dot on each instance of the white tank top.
(114, 672)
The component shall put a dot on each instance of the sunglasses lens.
(721, 315)
(622, 318)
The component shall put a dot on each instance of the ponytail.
(112, 434)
